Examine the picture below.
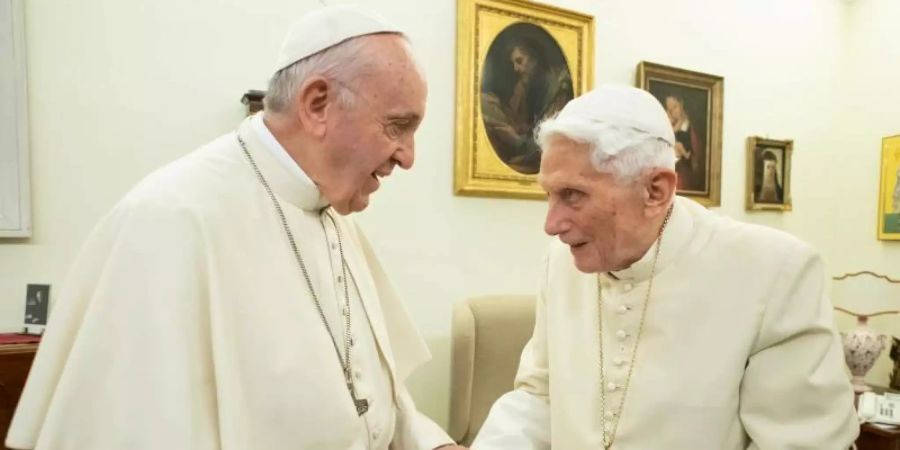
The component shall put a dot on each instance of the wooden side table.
(15, 362)
(872, 437)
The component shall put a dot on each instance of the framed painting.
(37, 301)
(518, 62)
(15, 197)
(693, 102)
(889, 197)
(769, 174)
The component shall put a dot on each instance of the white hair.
(622, 151)
(343, 63)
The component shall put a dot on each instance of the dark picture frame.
(693, 101)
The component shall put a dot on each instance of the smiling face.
(600, 218)
(375, 131)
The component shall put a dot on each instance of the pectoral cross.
(361, 404)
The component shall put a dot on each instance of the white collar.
(277, 151)
(275, 148)
(676, 235)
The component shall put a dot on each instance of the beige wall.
(871, 111)
(118, 88)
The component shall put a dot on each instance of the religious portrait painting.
(769, 174)
(889, 191)
(693, 104)
(518, 63)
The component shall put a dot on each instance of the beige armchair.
(488, 335)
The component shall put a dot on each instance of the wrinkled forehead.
(565, 161)
(394, 75)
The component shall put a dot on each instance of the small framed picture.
(769, 174)
(37, 302)
(889, 191)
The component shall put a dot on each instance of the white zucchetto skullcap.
(327, 27)
(621, 107)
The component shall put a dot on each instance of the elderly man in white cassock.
(659, 324)
(226, 302)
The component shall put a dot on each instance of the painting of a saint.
(525, 79)
(688, 113)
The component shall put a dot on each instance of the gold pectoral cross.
(361, 404)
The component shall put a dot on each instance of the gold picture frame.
(769, 174)
(889, 190)
(517, 63)
(694, 100)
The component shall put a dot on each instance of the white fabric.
(738, 350)
(371, 375)
(185, 324)
(520, 421)
(271, 144)
(635, 113)
(326, 27)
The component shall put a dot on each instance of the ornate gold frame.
(647, 71)
(478, 170)
(883, 189)
(788, 146)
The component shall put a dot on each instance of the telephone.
(879, 408)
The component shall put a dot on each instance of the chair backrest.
(488, 335)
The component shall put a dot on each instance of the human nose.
(405, 155)
(556, 223)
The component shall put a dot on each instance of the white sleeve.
(520, 419)
(414, 430)
(126, 361)
(795, 393)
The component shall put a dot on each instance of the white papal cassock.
(738, 350)
(186, 323)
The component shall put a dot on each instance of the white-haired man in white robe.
(225, 302)
(659, 324)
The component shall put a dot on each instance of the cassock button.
(363, 392)
(623, 309)
(622, 335)
(627, 287)
(357, 374)
(340, 279)
(611, 386)
(619, 361)
(610, 415)
(333, 246)
(375, 436)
